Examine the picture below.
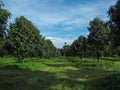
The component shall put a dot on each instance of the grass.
(60, 74)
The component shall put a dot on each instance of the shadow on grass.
(59, 65)
(111, 59)
(16, 78)
(89, 65)
(110, 82)
(96, 80)
(12, 77)
(84, 74)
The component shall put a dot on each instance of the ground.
(62, 73)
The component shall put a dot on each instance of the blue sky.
(60, 20)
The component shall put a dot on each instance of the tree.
(78, 47)
(23, 39)
(66, 51)
(49, 50)
(82, 46)
(97, 37)
(114, 15)
(4, 15)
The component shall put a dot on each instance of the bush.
(3, 52)
(111, 82)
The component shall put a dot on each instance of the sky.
(60, 20)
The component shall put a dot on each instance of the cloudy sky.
(60, 20)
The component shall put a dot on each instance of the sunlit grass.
(62, 73)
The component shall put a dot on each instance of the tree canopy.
(24, 40)
(114, 23)
(4, 15)
(97, 37)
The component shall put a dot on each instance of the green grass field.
(62, 73)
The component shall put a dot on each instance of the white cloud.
(45, 14)
(51, 14)
(59, 42)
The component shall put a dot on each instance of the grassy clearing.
(59, 74)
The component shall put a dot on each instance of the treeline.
(103, 39)
(22, 39)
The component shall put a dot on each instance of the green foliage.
(3, 52)
(98, 37)
(77, 48)
(49, 50)
(114, 15)
(72, 73)
(23, 39)
(66, 50)
(4, 15)
(97, 43)
(114, 23)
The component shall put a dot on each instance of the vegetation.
(4, 15)
(74, 67)
(60, 74)
(103, 38)
(23, 39)
(114, 22)
(98, 37)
